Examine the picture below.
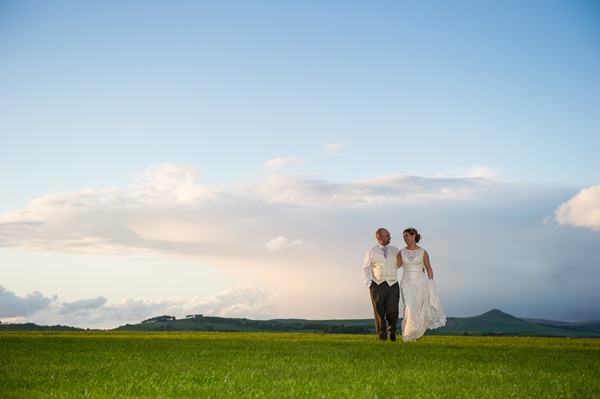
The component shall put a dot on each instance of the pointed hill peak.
(496, 313)
(494, 322)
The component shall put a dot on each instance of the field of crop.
(278, 365)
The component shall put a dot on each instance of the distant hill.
(492, 323)
(35, 327)
(496, 322)
(589, 326)
(212, 323)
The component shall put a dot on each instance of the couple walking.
(422, 306)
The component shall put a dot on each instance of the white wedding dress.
(422, 306)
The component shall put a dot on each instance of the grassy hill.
(211, 323)
(588, 326)
(35, 327)
(494, 322)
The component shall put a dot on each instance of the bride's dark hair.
(413, 232)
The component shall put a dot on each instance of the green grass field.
(277, 365)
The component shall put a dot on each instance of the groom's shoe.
(392, 331)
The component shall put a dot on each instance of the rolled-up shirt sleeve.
(366, 269)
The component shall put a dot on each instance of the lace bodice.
(412, 259)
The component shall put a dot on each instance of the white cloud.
(239, 301)
(277, 244)
(281, 244)
(169, 212)
(334, 147)
(169, 182)
(481, 171)
(583, 210)
(386, 189)
(278, 163)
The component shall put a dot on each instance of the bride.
(422, 306)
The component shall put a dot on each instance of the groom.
(380, 273)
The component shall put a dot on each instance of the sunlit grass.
(245, 365)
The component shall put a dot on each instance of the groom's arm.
(366, 269)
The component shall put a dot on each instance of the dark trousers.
(385, 300)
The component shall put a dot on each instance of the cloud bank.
(293, 247)
(96, 313)
(168, 210)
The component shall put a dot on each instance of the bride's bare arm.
(428, 266)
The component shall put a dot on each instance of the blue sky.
(235, 158)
